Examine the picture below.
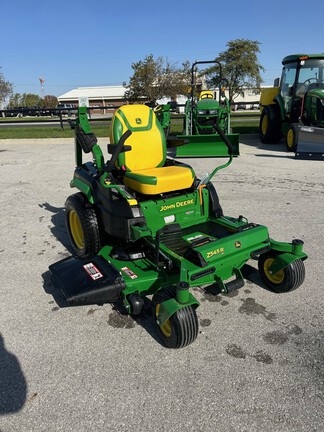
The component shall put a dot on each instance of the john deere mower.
(143, 226)
(295, 107)
(206, 121)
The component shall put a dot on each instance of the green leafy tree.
(32, 100)
(155, 78)
(5, 88)
(50, 101)
(15, 100)
(178, 80)
(240, 68)
(26, 100)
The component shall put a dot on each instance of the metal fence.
(57, 115)
(62, 115)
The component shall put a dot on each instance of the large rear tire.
(82, 225)
(269, 127)
(285, 280)
(181, 329)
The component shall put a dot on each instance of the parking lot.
(257, 364)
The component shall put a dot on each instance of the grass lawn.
(51, 131)
(102, 129)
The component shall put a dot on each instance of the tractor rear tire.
(270, 132)
(82, 225)
(285, 280)
(181, 329)
(292, 138)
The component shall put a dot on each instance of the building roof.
(103, 92)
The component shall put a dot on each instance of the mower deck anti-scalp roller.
(144, 226)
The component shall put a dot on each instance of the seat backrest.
(206, 94)
(147, 140)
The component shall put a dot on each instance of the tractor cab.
(295, 108)
(302, 77)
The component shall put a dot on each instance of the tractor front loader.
(206, 120)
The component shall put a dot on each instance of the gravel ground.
(257, 364)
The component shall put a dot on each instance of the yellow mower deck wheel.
(165, 328)
(275, 278)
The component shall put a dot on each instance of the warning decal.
(92, 271)
(129, 272)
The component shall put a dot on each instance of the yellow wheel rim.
(290, 138)
(165, 328)
(76, 229)
(276, 278)
(265, 124)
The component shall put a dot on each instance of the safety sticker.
(92, 271)
(129, 272)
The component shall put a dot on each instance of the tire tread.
(184, 322)
(89, 223)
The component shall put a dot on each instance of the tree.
(15, 100)
(154, 79)
(32, 100)
(240, 68)
(5, 88)
(50, 101)
(26, 100)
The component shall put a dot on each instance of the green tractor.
(295, 108)
(206, 120)
(144, 229)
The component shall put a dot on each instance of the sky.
(76, 43)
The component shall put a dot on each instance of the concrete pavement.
(257, 364)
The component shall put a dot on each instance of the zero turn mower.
(144, 225)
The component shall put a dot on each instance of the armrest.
(113, 147)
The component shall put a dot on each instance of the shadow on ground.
(58, 229)
(13, 386)
(254, 141)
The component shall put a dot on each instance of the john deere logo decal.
(138, 120)
(238, 244)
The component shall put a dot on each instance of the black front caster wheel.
(285, 280)
(181, 329)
